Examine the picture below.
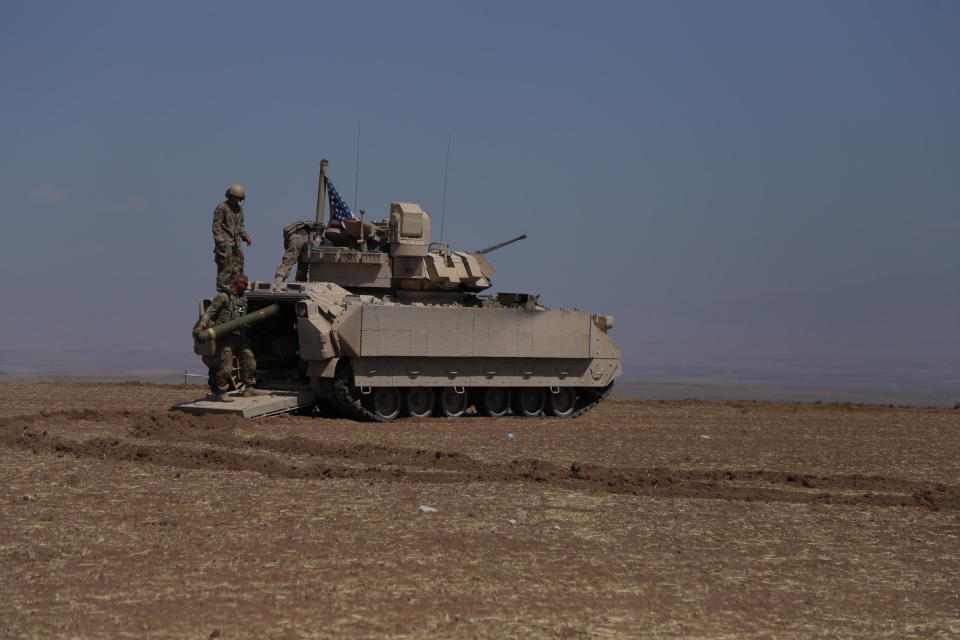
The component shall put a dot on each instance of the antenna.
(356, 175)
(443, 206)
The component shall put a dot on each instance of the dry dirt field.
(642, 519)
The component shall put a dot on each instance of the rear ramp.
(271, 404)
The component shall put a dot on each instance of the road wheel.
(383, 403)
(451, 403)
(419, 402)
(528, 401)
(494, 401)
(562, 403)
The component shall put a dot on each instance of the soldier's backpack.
(291, 229)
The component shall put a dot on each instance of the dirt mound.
(175, 425)
(64, 417)
(938, 497)
(743, 485)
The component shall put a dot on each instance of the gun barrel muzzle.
(494, 247)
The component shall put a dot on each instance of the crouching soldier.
(296, 240)
(226, 306)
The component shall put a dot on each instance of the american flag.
(339, 210)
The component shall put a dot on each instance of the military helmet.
(236, 191)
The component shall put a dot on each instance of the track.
(344, 400)
(211, 443)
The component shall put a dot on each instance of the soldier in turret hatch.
(228, 232)
(226, 306)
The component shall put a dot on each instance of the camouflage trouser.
(229, 261)
(229, 346)
(292, 257)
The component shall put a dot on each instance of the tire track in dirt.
(225, 451)
(69, 415)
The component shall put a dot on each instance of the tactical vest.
(232, 308)
(291, 229)
(229, 229)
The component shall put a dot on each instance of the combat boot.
(225, 397)
(252, 391)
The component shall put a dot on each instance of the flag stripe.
(339, 211)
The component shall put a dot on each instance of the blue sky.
(666, 158)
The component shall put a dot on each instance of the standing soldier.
(228, 232)
(226, 306)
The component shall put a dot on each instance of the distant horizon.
(705, 382)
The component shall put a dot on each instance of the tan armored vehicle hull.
(376, 358)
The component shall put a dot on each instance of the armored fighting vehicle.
(391, 323)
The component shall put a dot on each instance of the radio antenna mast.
(443, 206)
(356, 175)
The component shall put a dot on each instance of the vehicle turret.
(395, 255)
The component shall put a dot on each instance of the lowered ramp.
(253, 407)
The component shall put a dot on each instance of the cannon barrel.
(247, 320)
(501, 244)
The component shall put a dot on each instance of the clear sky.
(741, 180)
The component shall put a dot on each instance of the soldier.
(226, 306)
(296, 237)
(228, 232)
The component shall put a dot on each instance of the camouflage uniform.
(296, 236)
(224, 307)
(228, 235)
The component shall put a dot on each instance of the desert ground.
(641, 519)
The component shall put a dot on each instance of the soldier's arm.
(206, 320)
(219, 234)
(243, 229)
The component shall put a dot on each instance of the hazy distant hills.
(899, 330)
(902, 315)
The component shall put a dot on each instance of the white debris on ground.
(425, 509)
